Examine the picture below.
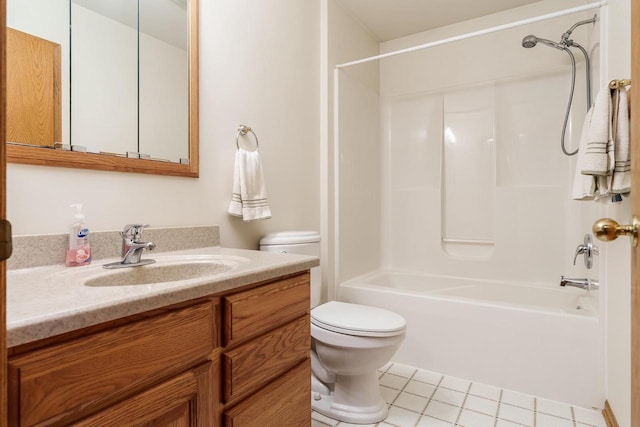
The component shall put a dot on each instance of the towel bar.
(616, 84)
(243, 130)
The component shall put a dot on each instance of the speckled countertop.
(51, 300)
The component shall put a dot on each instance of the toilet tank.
(297, 242)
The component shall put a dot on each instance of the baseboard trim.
(608, 415)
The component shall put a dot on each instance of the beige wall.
(259, 66)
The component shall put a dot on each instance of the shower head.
(531, 40)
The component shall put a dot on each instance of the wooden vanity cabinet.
(232, 359)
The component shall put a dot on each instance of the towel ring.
(243, 130)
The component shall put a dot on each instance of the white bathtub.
(537, 340)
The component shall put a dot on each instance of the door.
(3, 129)
(635, 210)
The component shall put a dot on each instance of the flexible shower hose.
(566, 116)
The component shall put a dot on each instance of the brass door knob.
(606, 229)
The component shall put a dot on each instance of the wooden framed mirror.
(37, 154)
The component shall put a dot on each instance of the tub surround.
(38, 307)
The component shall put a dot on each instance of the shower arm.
(567, 34)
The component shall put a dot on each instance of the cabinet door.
(285, 402)
(58, 384)
(183, 401)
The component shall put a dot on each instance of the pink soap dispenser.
(79, 252)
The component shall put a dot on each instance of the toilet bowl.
(349, 343)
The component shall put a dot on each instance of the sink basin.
(164, 270)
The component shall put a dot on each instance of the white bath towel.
(249, 198)
(598, 156)
(584, 186)
(621, 180)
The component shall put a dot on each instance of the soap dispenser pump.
(79, 252)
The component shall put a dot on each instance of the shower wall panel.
(529, 122)
(468, 172)
(414, 188)
(360, 177)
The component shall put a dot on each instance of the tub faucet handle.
(580, 250)
(588, 250)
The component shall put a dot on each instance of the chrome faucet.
(586, 284)
(133, 247)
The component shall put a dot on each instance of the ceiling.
(391, 19)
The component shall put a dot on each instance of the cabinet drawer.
(62, 382)
(253, 364)
(285, 402)
(250, 313)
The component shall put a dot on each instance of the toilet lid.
(359, 320)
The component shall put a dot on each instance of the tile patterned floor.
(419, 398)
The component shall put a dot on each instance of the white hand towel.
(598, 156)
(621, 181)
(249, 199)
(235, 207)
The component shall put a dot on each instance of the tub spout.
(587, 284)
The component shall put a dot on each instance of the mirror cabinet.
(103, 84)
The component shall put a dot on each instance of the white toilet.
(349, 343)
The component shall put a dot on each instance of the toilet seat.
(357, 320)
